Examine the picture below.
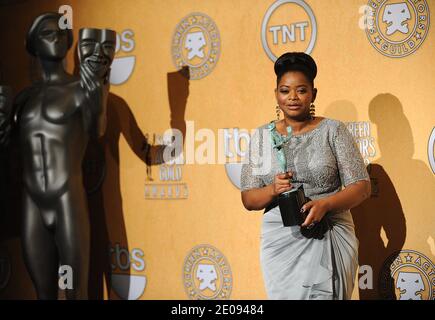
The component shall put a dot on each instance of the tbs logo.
(122, 66)
(236, 143)
(127, 286)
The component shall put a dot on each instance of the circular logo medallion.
(397, 28)
(407, 275)
(196, 44)
(207, 274)
(288, 25)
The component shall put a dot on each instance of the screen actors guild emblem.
(396, 17)
(407, 275)
(196, 44)
(207, 274)
(397, 28)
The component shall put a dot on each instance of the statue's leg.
(73, 240)
(39, 250)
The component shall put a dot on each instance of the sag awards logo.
(207, 274)
(288, 25)
(196, 44)
(397, 28)
(169, 184)
(431, 151)
(127, 286)
(408, 275)
(361, 132)
(122, 66)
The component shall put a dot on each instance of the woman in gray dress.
(321, 156)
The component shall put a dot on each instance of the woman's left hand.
(317, 210)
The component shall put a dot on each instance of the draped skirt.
(297, 268)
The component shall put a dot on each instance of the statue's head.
(96, 49)
(46, 40)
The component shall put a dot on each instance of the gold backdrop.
(387, 102)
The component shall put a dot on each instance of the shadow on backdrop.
(412, 180)
(178, 92)
(382, 211)
(110, 250)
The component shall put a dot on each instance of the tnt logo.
(290, 33)
(288, 25)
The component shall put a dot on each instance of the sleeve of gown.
(250, 179)
(350, 163)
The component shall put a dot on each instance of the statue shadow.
(382, 212)
(178, 93)
(109, 240)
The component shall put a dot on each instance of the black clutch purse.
(290, 204)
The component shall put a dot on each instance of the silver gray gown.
(324, 160)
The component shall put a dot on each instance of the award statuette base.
(290, 204)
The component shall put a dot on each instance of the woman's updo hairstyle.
(296, 61)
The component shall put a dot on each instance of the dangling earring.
(312, 111)
(278, 111)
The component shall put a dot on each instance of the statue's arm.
(96, 91)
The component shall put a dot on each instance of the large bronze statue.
(55, 119)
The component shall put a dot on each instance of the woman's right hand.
(281, 183)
